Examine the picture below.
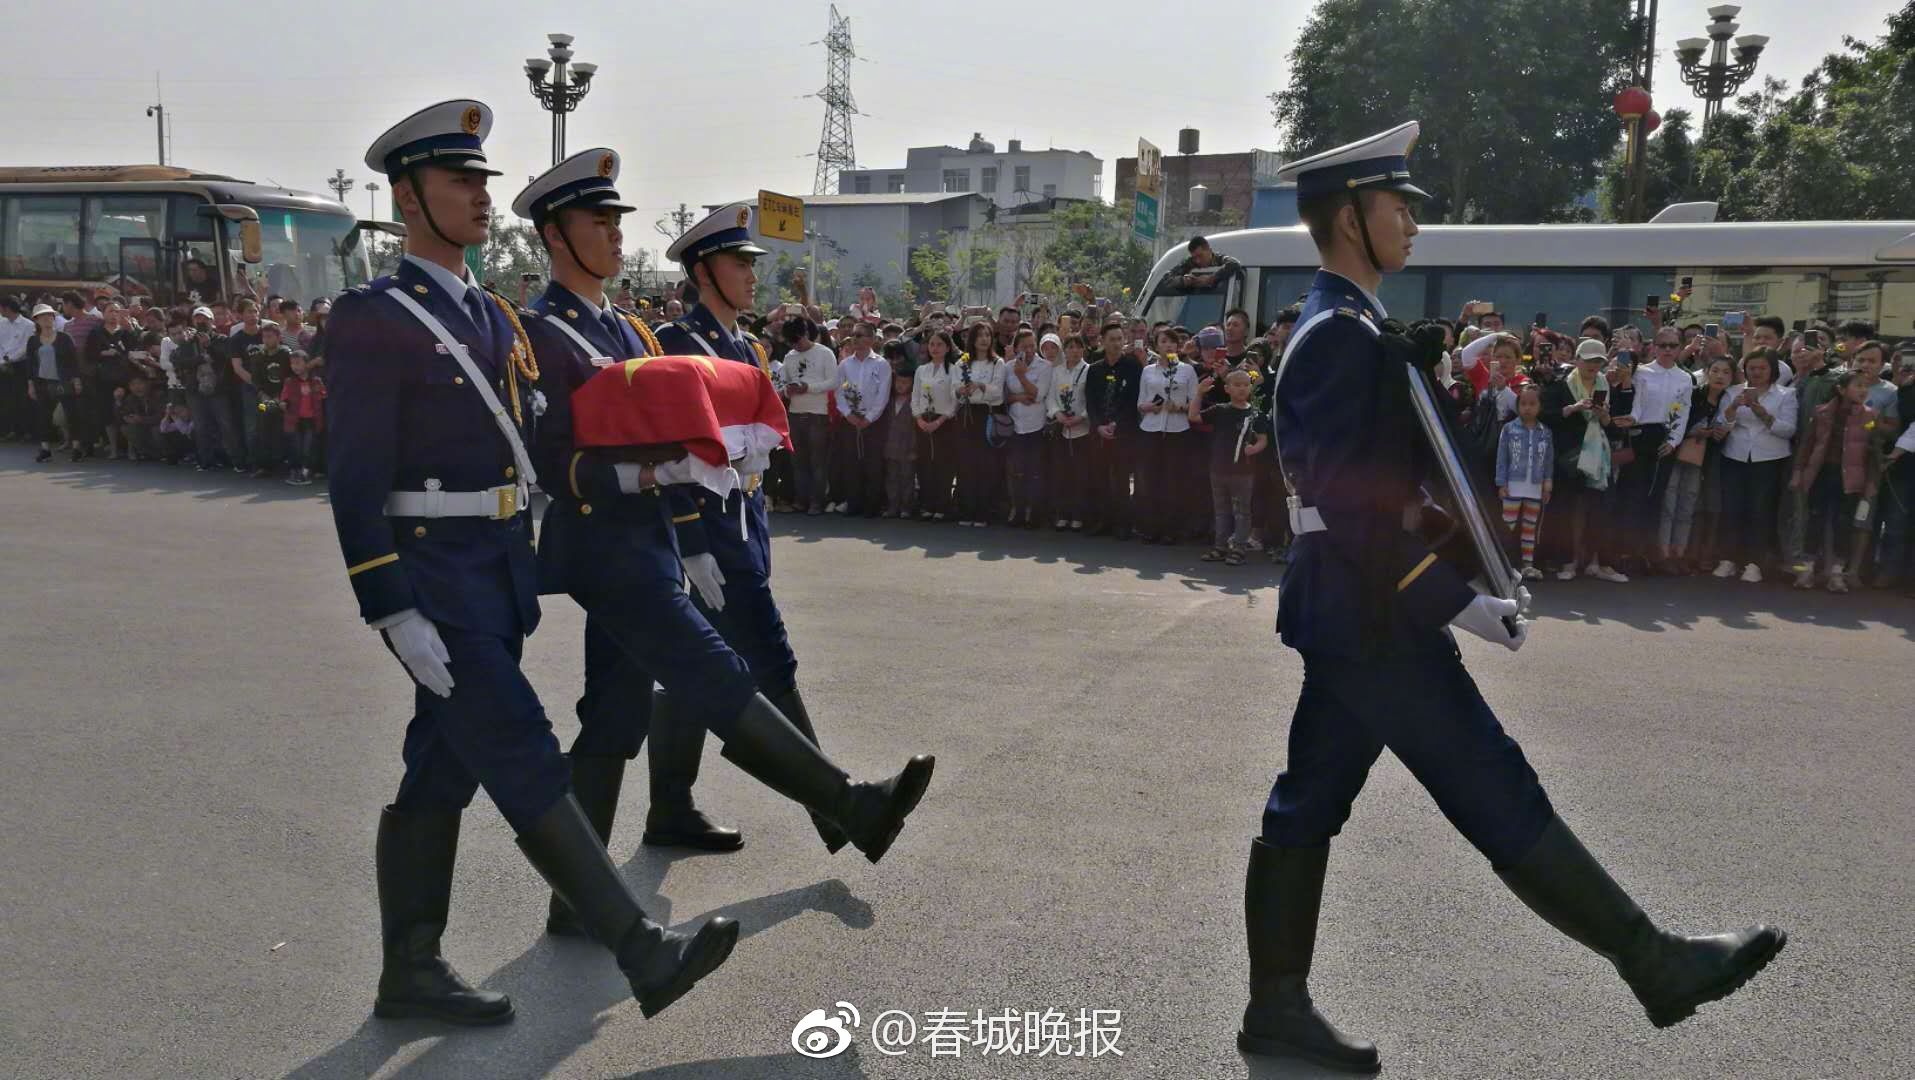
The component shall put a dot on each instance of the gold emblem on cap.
(605, 162)
(470, 121)
(744, 216)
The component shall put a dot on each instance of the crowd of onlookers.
(1697, 449)
(237, 386)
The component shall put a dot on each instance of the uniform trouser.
(1163, 482)
(753, 626)
(1116, 468)
(779, 478)
(976, 479)
(1070, 473)
(858, 461)
(1026, 471)
(491, 733)
(937, 467)
(810, 439)
(1427, 711)
(642, 631)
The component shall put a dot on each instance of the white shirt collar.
(454, 285)
(1367, 294)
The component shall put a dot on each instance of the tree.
(1669, 169)
(1837, 148)
(1514, 97)
(930, 269)
(1095, 246)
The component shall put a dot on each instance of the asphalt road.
(199, 734)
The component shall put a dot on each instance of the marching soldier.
(718, 257)
(1371, 609)
(608, 540)
(432, 382)
(575, 207)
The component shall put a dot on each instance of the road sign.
(1150, 168)
(1144, 223)
(781, 217)
(474, 260)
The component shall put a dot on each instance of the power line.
(835, 152)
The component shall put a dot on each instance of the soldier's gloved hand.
(673, 472)
(416, 642)
(702, 571)
(1484, 617)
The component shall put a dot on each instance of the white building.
(875, 234)
(1009, 178)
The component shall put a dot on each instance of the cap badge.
(744, 216)
(470, 121)
(605, 165)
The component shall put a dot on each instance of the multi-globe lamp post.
(568, 83)
(1720, 78)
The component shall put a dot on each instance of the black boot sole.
(1267, 1047)
(419, 1010)
(695, 841)
(710, 948)
(1761, 952)
(910, 789)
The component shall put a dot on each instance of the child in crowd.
(1235, 440)
(900, 447)
(1525, 460)
(1839, 468)
(176, 434)
(302, 398)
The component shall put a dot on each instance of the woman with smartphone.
(1761, 417)
(1693, 489)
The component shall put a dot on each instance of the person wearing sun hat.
(1372, 609)
(431, 398)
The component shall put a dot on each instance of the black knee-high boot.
(1282, 891)
(793, 706)
(595, 784)
(761, 741)
(413, 860)
(660, 965)
(677, 745)
(1671, 974)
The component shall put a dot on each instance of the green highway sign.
(1145, 222)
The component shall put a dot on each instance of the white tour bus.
(1800, 270)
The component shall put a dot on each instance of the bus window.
(43, 236)
(1192, 310)
(1638, 287)
(1789, 293)
(113, 218)
(1883, 298)
(1567, 297)
(308, 254)
(1403, 295)
(1279, 288)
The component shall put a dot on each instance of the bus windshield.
(306, 254)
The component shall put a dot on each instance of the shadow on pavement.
(561, 989)
(769, 1067)
(1269, 1068)
(128, 477)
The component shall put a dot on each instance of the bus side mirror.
(249, 245)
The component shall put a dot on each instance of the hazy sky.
(705, 101)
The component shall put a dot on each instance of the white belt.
(1305, 519)
(499, 503)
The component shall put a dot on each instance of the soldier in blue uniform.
(431, 394)
(718, 255)
(608, 540)
(576, 207)
(1371, 609)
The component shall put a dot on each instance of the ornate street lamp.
(1720, 78)
(568, 85)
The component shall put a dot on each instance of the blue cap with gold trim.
(450, 135)
(1378, 163)
(586, 179)
(725, 229)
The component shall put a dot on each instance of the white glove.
(673, 472)
(418, 645)
(703, 572)
(630, 475)
(1484, 617)
(1522, 600)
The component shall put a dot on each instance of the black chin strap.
(1363, 226)
(566, 239)
(425, 208)
(715, 286)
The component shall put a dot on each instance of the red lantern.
(1632, 103)
(1651, 122)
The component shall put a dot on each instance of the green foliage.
(1094, 245)
(930, 269)
(1839, 147)
(1514, 96)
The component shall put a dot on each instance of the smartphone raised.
(1542, 319)
(1626, 357)
(1652, 302)
(1732, 321)
(1713, 330)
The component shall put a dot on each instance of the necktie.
(475, 304)
(610, 322)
